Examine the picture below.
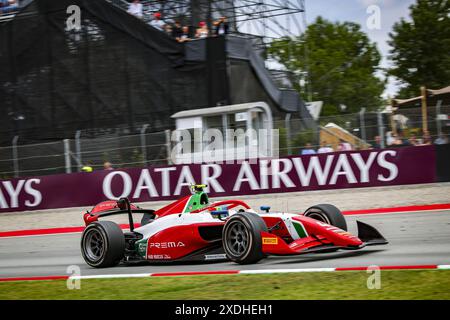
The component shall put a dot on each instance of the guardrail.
(349, 169)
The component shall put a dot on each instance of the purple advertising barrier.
(351, 169)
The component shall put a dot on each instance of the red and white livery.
(193, 228)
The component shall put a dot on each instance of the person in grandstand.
(135, 8)
(177, 30)
(221, 26)
(307, 150)
(168, 29)
(87, 168)
(377, 143)
(8, 6)
(401, 141)
(185, 36)
(108, 166)
(413, 140)
(441, 139)
(157, 21)
(325, 148)
(202, 31)
(426, 138)
(344, 146)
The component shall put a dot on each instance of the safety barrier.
(351, 169)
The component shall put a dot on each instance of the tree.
(421, 47)
(342, 65)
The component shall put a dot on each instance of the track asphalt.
(416, 238)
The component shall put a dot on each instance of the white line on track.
(236, 272)
(112, 276)
(287, 270)
(443, 267)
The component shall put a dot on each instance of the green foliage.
(301, 139)
(6, 176)
(106, 157)
(282, 143)
(421, 47)
(131, 160)
(297, 142)
(342, 65)
(137, 158)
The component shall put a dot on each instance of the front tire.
(327, 213)
(241, 238)
(103, 244)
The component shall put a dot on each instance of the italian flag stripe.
(300, 230)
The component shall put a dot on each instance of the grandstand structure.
(267, 19)
(116, 74)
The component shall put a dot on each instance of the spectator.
(168, 29)
(344, 146)
(325, 148)
(221, 26)
(390, 138)
(413, 141)
(308, 150)
(377, 144)
(135, 8)
(108, 166)
(202, 31)
(400, 141)
(8, 6)
(441, 139)
(87, 168)
(157, 22)
(185, 35)
(426, 139)
(177, 31)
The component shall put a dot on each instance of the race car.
(194, 229)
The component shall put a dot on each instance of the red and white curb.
(68, 230)
(227, 272)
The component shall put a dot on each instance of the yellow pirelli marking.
(270, 240)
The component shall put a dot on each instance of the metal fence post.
(381, 129)
(438, 120)
(363, 124)
(287, 124)
(78, 149)
(168, 147)
(67, 155)
(15, 155)
(144, 144)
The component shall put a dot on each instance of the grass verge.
(400, 284)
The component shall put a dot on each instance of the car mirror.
(122, 204)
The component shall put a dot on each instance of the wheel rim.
(317, 215)
(94, 245)
(237, 238)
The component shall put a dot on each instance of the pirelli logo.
(270, 240)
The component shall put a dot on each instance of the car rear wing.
(124, 206)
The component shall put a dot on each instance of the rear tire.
(103, 244)
(327, 213)
(241, 238)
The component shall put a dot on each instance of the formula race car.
(193, 229)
